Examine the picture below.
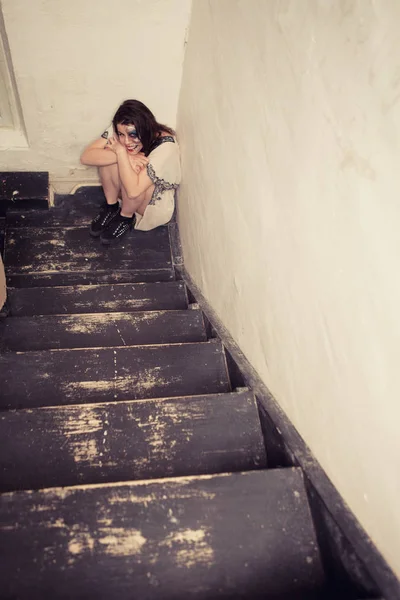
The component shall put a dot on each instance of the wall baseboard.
(354, 566)
(69, 185)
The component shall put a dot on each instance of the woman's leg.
(109, 177)
(113, 189)
(124, 221)
(138, 204)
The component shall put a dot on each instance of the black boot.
(107, 213)
(116, 229)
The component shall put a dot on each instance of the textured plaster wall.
(289, 213)
(76, 60)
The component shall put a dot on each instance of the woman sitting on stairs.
(138, 161)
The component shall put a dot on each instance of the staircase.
(129, 467)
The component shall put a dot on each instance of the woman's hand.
(138, 161)
(115, 146)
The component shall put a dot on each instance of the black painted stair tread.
(101, 330)
(84, 196)
(243, 535)
(24, 185)
(2, 234)
(34, 250)
(54, 217)
(52, 377)
(142, 439)
(98, 298)
(98, 277)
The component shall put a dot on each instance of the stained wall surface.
(289, 213)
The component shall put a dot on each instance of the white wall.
(289, 214)
(76, 60)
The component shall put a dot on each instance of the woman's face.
(128, 137)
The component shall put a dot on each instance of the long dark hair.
(133, 112)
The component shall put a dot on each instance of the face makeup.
(128, 137)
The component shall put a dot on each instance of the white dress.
(164, 170)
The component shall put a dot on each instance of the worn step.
(100, 277)
(2, 234)
(141, 439)
(20, 186)
(76, 216)
(71, 249)
(85, 196)
(242, 535)
(53, 377)
(119, 297)
(101, 330)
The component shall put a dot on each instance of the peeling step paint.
(49, 377)
(118, 297)
(200, 537)
(129, 440)
(104, 329)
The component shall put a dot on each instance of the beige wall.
(76, 60)
(289, 213)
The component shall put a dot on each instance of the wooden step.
(243, 535)
(75, 216)
(101, 330)
(85, 196)
(71, 249)
(120, 297)
(2, 234)
(53, 377)
(17, 186)
(100, 277)
(141, 439)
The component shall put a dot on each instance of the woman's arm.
(135, 183)
(131, 169)
(98, 155)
